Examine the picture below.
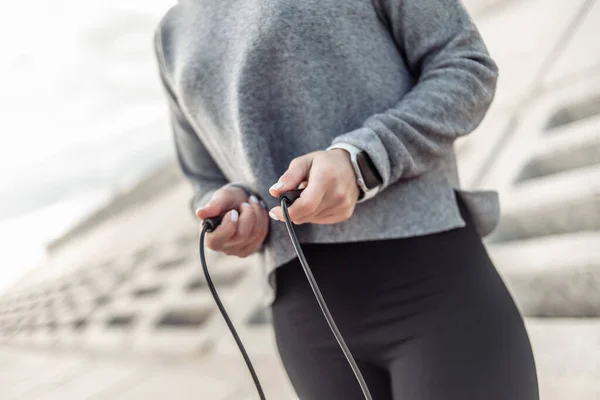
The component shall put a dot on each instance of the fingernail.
(253, 199)
(277, 186)
(234, 215)
(245, 204)
(273, 216)
(199, 209)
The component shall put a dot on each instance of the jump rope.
(286, 200)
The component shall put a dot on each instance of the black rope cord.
(210, 227)
(286, 200)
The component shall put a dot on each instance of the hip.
(409, 285)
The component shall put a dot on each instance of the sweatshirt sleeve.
(194, 160)
(456, 82)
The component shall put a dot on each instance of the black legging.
(426, 318)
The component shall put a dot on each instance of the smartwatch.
(367, 177)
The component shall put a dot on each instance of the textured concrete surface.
(122, 311)
(580, 55)
(553, 276)
(565, 351)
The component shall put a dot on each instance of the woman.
(358, 102)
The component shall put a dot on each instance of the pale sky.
(81, 115)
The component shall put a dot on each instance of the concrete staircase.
(121, 311)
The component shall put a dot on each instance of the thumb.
(222, 201)
(209, 210)
(296, 173)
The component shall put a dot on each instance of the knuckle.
(340, 197)
(296, 162)
(322, 157)
(288, 176)
(347, 203)
(293, 163)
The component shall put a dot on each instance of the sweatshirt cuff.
(366, 139)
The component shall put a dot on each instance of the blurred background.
(101, 292)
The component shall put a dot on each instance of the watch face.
(368, 170)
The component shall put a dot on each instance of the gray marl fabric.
(253, 84)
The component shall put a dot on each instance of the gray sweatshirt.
(252, 84)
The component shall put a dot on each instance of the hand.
(331, 190)
(245, 224)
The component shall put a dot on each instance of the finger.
(276, 214)
(258, 205)
(258, 237)
(295, 174)
(310, 202)
(210, 210)
(302, 185)
(262, 225)
(341, 212)
(221, 201)
(260, 232)
(217, 239)
(245, 226)
(262, 218)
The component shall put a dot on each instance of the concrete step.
(557, 276)
(564, 149)
(557, 204)
(567, 354)
(580, 55)
(566, 350)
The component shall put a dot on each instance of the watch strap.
(368, 170)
